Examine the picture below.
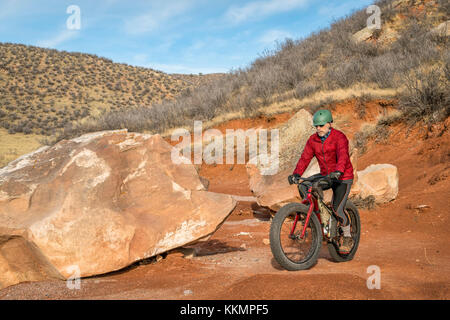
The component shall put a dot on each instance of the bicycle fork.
(308, 215)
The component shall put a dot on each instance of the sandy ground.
(409, 245)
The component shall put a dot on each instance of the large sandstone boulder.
(98, 203)
(293, 136)
(379, 181)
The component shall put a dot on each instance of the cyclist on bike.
(330, 147)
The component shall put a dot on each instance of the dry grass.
(378, 132)
(13, 146)
(364, 203)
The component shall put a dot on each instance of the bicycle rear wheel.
(290, 251)
(355, 231)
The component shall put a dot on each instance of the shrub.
(362, 136)
(360, 107)
(27, 130)
(364, 203)
(304, 89)
(427, 96)
(360, 140)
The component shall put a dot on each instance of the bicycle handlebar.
(314, 178)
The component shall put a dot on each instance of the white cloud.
(161, 14)
(258, 9)
(205, 46)
(61, 37)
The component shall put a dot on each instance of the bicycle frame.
(313, 206)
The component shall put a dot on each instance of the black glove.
(335, 175)
(294, 178)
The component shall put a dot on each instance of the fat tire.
(275, 244)
(334, 250)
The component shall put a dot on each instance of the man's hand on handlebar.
(297, 179)
(294, 178)
(335, 175)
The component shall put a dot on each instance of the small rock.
(243, 246)
(244, 234)
(266, 241)
(187, 292)
(188, 253)
(363, 35)
(422, 206)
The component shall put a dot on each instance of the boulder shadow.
(134, 265)
(261, 213)
(213, 247)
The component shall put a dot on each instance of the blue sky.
(174, 36)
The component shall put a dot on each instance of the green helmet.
(322, 117)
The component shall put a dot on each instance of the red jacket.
(332, 155)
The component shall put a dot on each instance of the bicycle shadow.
(323, 254)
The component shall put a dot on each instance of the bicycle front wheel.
(288, 249)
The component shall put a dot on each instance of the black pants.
(341, 189)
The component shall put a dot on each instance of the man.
(330, 147)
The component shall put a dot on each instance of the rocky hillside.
(42, 89)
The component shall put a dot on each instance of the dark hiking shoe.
(346, 246)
